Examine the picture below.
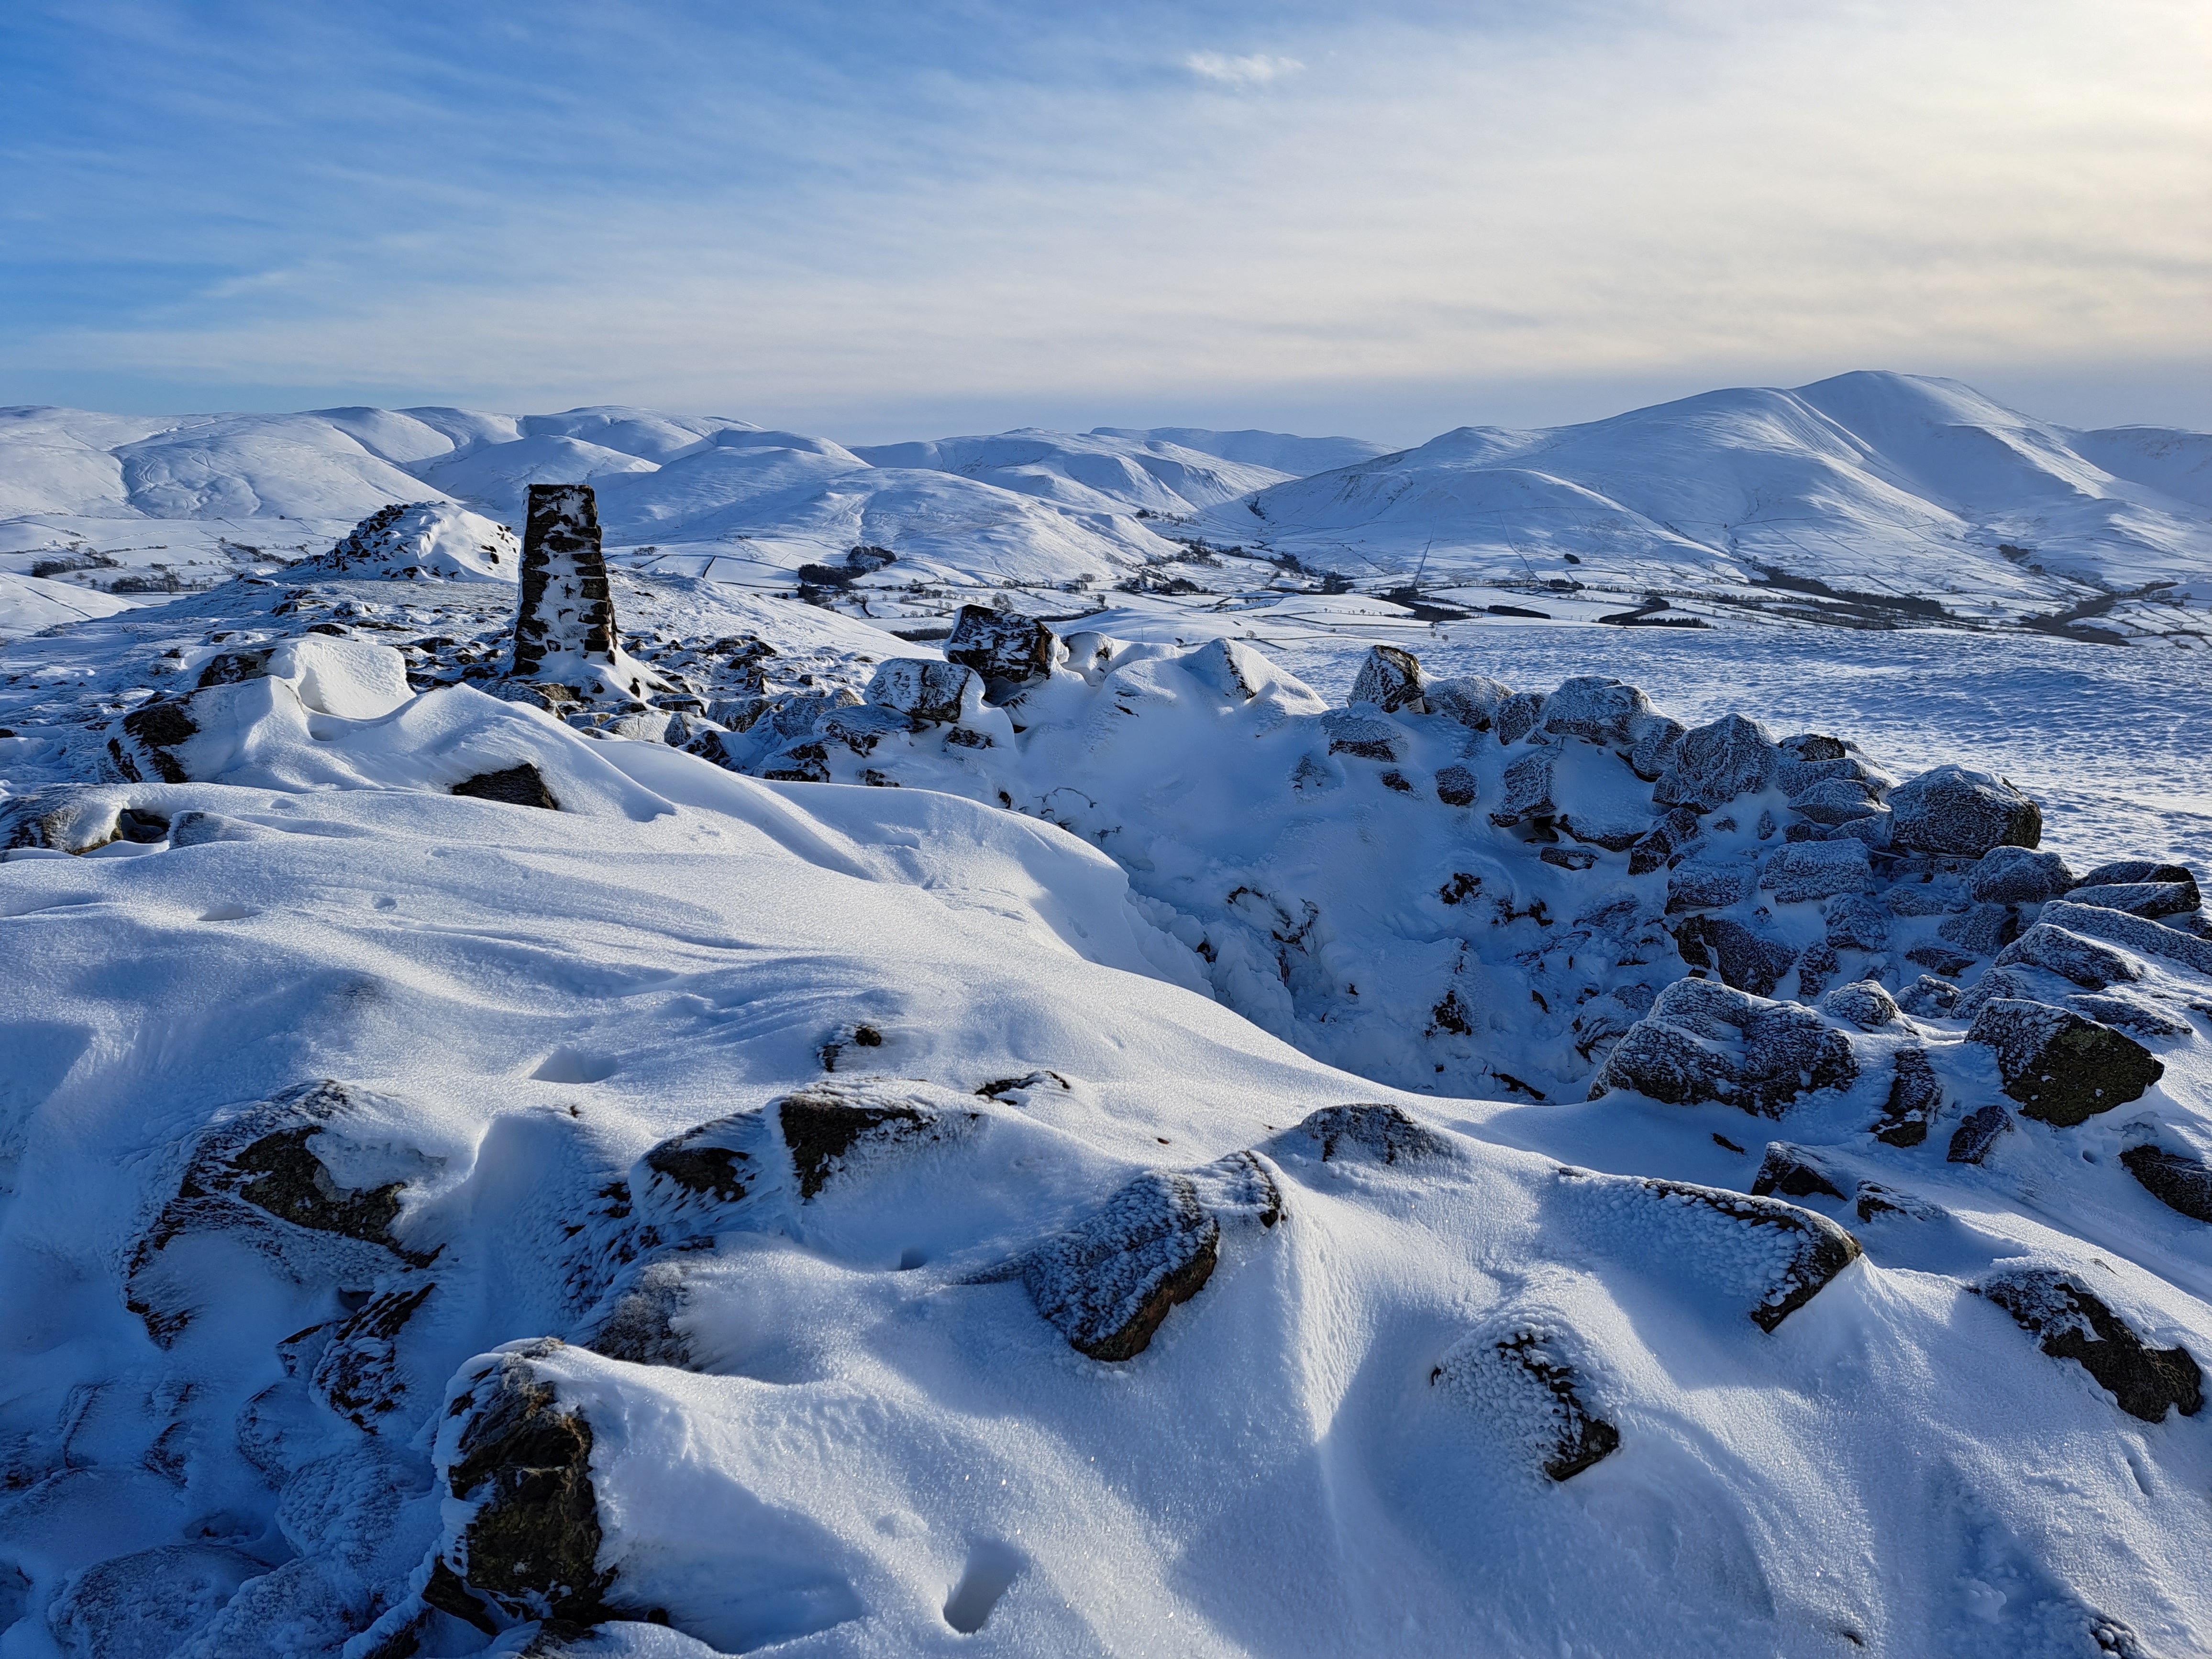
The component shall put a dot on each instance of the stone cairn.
(563, 609)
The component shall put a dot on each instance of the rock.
(1712, 764)
(143, 1606)
(1653, 739)
(2150, 899)
(2060, 951)
(1471, 700)
(927, 692)
(1955, 811)
(1982, 930)
(359, 1375)
(2014, 875)
(1521, 1372)
(1742, 956)
(2071, 1322)
(1794, 1172)
(1361, 735)
(639, 1328)
(2148, 938)
(531, 1546)
(1596, 710)
(520, 785)
(1915, 1099)
(2175, 1180)
(1809, 870)
(146, 748)
(2138, 1016)
(1527, 792)
(1568, 857)
(1390, 680)
(1667, 841)
(1929, 997)
(1836, 801)
(1239, 1187)
(1001, 646)
(1373, 1134)
(686, 1182)
(1704, 1042)
(832, 1129)
(2062, 1068)
(563, 608)
(1455, 786)
(1864, 1002)
(1972, 1141)
(1855, 923)
(1516, 716)
(1108, 1283)
(2126, 872)
(1945, 961)
(1874, 1200)
(801, 762)
(1817, 1249)
(1816, 966)
(1697, 886)
(1996, 983)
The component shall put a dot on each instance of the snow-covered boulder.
(414, 540)
(1955, 810)
(1707, 1041)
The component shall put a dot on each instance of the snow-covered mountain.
(757, 1135)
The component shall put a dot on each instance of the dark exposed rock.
(1516, 716)
(2014, 875)
(1672, 837)
(1380, 1133)
(1712, 764)
(1914, 1098)
(235, 667)
(1794, 1172)
(2061, 951)
(640, 1328)
(2152, 899)
(1862, 1002)
(2072, 1323)
(1568, 857)
(2062, 1068)
(1001, 646)
(1527, 792)
(1108, 1283)
(1705, 1041)
(1742, 956)
(1976, 1133)
(926, 691)
(1816, 870)
(1455, 786)
(533, 1544)
(521, 785)
(359, 1375)
(2174, 1178)
(687, 1179)
(1956, 810)
(1820, 1248)
(1816, 966)
(2126, 872)
(1874, 1200)
(803, 763)
(1572, 1437)
(1997, 983)
(1944, 961)
(1471, 700)
(150, 736)
(1596, 710)
(563, 608)
(1390, 680)
(828, 1128)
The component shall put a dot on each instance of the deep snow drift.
(758, 1134)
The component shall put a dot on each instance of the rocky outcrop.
(519, 785)
(1375, 1133)
(1741, 955)
(1795, 1172)
(530, 1544)
(1390, 679)
(1954, 810)
(1597, 710)
(1976, 1133)
(1006, 648)
(830, 1129)
(2062, 1068)
(1705, 1041)
(1108, 1283)
(1864, 1004)
(2071, 1322)
(2180, 1182)
(926, 691)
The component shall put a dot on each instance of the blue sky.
(886, 220)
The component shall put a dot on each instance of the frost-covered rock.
(927, 690)
(1705, 1041)
(1864, 1002)
(1982, 930)
(1001, 646)
(1108, 1283)
(2070, 1322)
(1956, 810)
(1915, 1100)
(1794, 1172)
(2146, 938)
(1471, 700)
(2150, 899)
(1743, 956)
(2179, 1182)
(1531, 1377)
(2069, 955)
(1597, 710)
(1380, 1133)
(1517, 715)
(1714, 763)
(1976, 1133)
(1526, 792)
(2062, 1068)
(2014, 875)
(1809, 870)
(1390, 680)
(2126, 872)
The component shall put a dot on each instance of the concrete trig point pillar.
(563, 608)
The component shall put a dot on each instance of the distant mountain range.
(1898, 495)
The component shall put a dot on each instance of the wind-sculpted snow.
(501, 1156)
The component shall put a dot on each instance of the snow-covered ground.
(872, 1127)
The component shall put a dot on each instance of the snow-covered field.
(1257, 1114)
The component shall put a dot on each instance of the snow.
(1136, 1155)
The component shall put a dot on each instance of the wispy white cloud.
(1256, 69)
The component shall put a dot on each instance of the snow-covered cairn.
(564, 610)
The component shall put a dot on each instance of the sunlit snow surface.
(830, 1409)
